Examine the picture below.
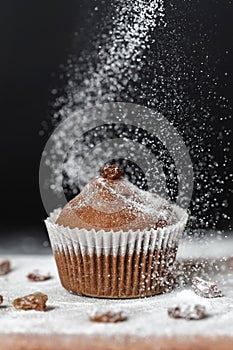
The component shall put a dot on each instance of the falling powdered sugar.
(119, 55)
(139, 56)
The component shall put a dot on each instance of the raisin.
(36, 301)
(111, 172)
(188, 312)
(37, 277)
(205, 289)
(108, 317)
(5, 267)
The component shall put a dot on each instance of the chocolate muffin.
(114, 240)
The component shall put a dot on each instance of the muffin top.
(111, 203)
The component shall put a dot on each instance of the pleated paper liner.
(116, 264)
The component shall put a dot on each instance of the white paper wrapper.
(114, 243)
(115, 264)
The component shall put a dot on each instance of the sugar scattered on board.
(69, 314)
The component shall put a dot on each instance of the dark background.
(37, 37)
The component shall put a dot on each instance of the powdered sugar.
(115, 196)
(160, 71)
(119, 57)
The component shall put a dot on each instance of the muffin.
(114, 240)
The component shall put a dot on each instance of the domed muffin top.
(111, 203)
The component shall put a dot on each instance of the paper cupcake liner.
(115, 264)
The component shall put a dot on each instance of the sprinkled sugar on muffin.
(115, 240)
(113, 203)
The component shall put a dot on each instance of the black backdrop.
(36, 37)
